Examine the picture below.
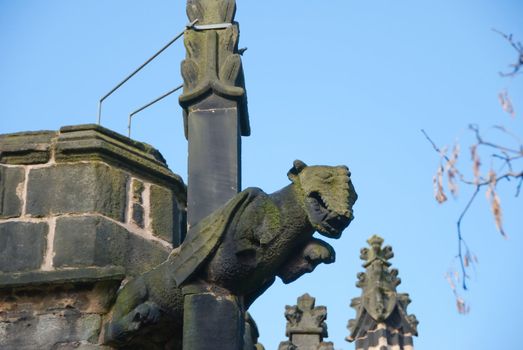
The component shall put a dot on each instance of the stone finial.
(381, 312)
(306, 326)
(213, 61)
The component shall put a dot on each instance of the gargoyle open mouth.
(325, 220)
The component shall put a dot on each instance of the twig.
(480, 140)
(508, 159)
(519, 48)
(461, 241)
(477, 188)
(436, 148)
(511, 134)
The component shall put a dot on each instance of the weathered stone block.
(77, 188)
(26, 147)
(138, 212)
(138, 215)
(22, 245)
(92, 142)
(165, 215)
(218, 317)
(50, 330)
(143, 255)
(88, 241)
(11, 179)
(138, 188)
(97, 241)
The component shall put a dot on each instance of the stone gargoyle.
(241, 247)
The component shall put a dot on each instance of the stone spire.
(306, 326)
(381, 313)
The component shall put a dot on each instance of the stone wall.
(81, 210)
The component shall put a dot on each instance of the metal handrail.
(148, 105)
(188, 26)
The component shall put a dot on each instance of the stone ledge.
(26, 147)
(90, 142)
(82, 275)
(93, 142)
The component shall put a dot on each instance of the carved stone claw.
(146, 314)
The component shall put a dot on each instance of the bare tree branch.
(503, 157)
(490, 182)
(436, 148)
(480, 140)
(519, 48)
(461, 241)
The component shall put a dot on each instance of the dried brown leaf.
(469, 259)
(449, 279)
(452, 171)
(439, 192)
(506, 103)
(496, 211)
(476, 163)
(463, 308)
(495, 202)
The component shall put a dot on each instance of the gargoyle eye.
(326, 176)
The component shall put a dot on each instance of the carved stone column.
(215, 106)
(215, 118)
(213, 319)
(306, 326)
(381, 313)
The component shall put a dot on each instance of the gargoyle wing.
(203, 239)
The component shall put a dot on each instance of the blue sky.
(329, 82)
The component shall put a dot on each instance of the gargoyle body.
(241, 247)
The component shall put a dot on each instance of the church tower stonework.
(81, 209)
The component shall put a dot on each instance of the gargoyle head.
(328, 196)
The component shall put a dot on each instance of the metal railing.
(148, 105)
(188, 26)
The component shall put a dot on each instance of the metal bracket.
(212, 26)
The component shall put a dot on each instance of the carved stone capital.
(213, 63)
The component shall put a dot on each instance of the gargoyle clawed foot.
(120, 331)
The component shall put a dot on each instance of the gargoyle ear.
(297, 167)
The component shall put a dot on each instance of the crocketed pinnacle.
(380, 311)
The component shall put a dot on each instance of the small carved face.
(328, 196)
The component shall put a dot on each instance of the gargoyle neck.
(290, 200)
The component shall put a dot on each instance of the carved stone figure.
(240, 248)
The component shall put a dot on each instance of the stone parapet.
(27, 147)
(87, 170)
(81, 209)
